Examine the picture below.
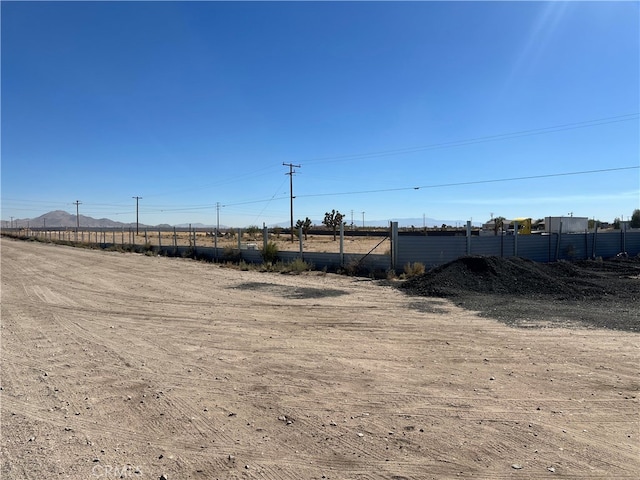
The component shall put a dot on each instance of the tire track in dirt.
(316, 360)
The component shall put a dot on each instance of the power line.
(483, 139)
(151, 210)
(228, 180)
(473, 182)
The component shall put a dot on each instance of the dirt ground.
(130, 366)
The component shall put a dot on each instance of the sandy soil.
(129, 366)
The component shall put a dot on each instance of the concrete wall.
(434, 251)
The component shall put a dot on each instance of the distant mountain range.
(60, 218)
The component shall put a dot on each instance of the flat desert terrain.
(130, 366)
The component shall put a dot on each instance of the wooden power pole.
(291, 197)
(137, 198)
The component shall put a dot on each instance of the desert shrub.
(270, 253)
(349, 269)
(413, 269)
(297, 266)
(271, 267)
(252, 231)
(230, 254)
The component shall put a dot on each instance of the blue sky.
(192, 104)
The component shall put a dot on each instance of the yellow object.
(524, 226)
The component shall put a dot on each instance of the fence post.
(468, 237)
(159, 239)
(394, 245)
(558, 241)
(215, 244)
(239, 238)
(595, 239)
(341, 244)
(265, 238)
(515, 238)
(300, 238)
(175, 239)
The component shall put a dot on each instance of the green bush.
(270, 253)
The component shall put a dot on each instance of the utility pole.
(137, 198)
(291, 197)
(362, 219)
(77, 202)
(217, 218)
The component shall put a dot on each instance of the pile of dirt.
(513, 275)
(586, 291)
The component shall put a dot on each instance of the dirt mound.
(604, 294)
(508, 276)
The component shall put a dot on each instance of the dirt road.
(129, 366)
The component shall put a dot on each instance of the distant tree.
(635, 219)
(498, 223)
(252, 231)
(333, 220)
(616, 223)
(305, 225)
(593, 223)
